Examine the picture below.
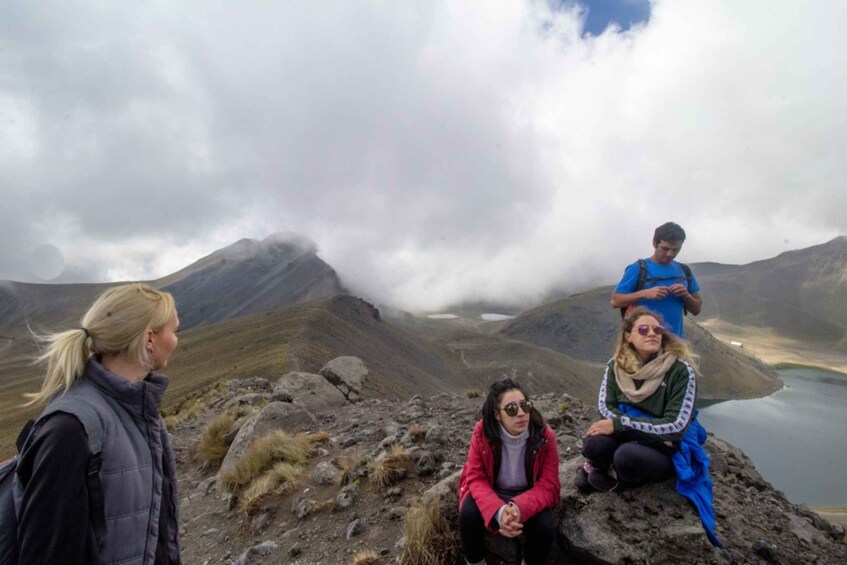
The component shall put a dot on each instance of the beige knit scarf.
(628, 370)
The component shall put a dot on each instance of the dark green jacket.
(672, 405)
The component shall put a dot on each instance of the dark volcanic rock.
(646, 525)
(651, 524)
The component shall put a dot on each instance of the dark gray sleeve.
(54, 524)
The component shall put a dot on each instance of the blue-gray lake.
(795, 436)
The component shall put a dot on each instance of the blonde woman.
(118, 505)
(652, 372)
(649, 430)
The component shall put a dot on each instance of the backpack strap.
(687, 271)
(639, 283)
(90, 421)
(642, 275)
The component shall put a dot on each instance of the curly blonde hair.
(625, 354)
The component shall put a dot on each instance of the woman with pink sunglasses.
(649, 431)
(647, 402)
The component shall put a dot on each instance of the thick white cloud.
(435, 152)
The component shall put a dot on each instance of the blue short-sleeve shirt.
(670, 307)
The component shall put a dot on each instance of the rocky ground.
(337, 526)
(335, 510)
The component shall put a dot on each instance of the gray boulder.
(346, 373)
(275, 416)
(248, 399)
(262, 549)
(650, 524)
(325, 473)
(354, 528)
(254, 384)
(437, 434)
(312, 392)
(425, 463)
(347, 496)
(413, 411)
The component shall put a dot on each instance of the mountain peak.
(251, 276)
(839, 241)
(287, 244)
(291, 239)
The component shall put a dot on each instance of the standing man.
(660, 283)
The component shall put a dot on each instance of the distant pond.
(795, 436)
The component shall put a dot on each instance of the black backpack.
(11, 490)
(643, 279)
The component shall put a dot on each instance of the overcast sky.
(433, 151)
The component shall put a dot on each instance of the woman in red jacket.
(510, 482)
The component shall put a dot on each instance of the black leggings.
(540, 531)
(636, 457)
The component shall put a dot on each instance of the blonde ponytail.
(67, 353)
(115, 324)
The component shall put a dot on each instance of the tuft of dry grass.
(392, 468)
(429, 538)
(215, 439)
(195, 404)
(242, 410)
(329, 503)
(418, 431)
(320, 437)
(367, 557)
(472, 393)
(277, 480)
(353, 467)
(276, 446)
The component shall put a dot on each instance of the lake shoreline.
(781, 431)
(800, 365)
(833, 516)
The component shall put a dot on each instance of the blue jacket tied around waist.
(692, 470)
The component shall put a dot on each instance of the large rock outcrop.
(316, 522)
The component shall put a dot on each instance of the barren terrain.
(775, 349)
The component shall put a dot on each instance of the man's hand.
(601, 428)
(678, 289)
(657, 292)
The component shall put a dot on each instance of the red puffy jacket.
(478, 476)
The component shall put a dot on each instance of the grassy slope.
(585, 326)
(482, 359)
(300, 337)
(798, 295)
(304, 337)
(17, 376)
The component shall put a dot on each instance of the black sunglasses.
(511, 409)
(645, 329)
